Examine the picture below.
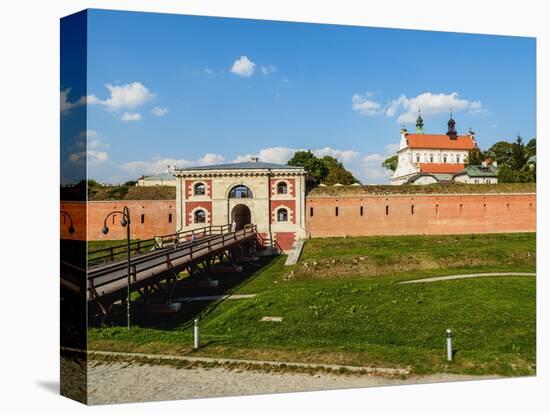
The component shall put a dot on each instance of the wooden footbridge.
(156, 263)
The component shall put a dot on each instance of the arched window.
(444, 158)
(282, 188)
(458, 159)
(417, 157)
(240, 191)
(200, 189)
(199, 216)
(282, 214)
(431, 158)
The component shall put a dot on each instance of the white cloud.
(269, 69)
(128, 96)
(429, 104)
(476, 107)
(406, 109)
(65, 105)
(371, 170)
(364, 105)
(281, 155)
(159, 111)
(276, 155)
(243, 67)
(130, 116)
(88, 146)
(160, 165)
(341, 155)
(212, 73)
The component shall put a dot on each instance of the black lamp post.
(125, 222)
(71, 227)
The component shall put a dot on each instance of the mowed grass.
(364, 320)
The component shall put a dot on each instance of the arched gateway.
(240, 215)
(248, 192)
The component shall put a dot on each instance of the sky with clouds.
(184, 91)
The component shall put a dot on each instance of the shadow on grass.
(199, 285)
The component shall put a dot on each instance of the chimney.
(254, 159)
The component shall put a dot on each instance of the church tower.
(451, 131)
(419, 124)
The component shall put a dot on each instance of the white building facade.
(270, 196)
(439, 155)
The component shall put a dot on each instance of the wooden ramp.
(108, 283)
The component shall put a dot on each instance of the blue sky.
(186, 90)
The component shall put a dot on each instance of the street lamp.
(124, 222)
(71, 227)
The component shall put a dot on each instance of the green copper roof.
(479, 171)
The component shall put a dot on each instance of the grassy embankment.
(342, 304)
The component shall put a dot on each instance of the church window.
(387, 210)
(199, 189)
(240, 191)
(199, 216)
(361, 210)
(282, 188)
(169, 217)
(412, 209)
(311, 212)
(336, 212)
(142, 218)
(282, 214)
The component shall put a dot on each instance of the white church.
(431, 158)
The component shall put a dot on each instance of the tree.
(531, 148)
(506, 174)
(518, 157)
(301, 158)
(501, 152)
(390, 163)
(475, 157)
(130, 183)
(526, 175)
(327, 169)
(339, 175)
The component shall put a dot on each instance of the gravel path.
(121, 382)
(466, 276)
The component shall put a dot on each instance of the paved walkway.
(123, 382)
(466, 276)
(294, 255)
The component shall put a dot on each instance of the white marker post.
(449, 345)
(197, 334)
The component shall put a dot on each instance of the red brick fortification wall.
(285, 239)
(420, 214)
(77, 212)
(156, 218)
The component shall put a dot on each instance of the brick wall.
(290, 205)
(291, 186)
(420, 214)
(192, 206)
(285, 239)
(406, 214)
(156, 219)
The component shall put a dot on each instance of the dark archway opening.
(240, 216)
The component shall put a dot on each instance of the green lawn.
(367, 318)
